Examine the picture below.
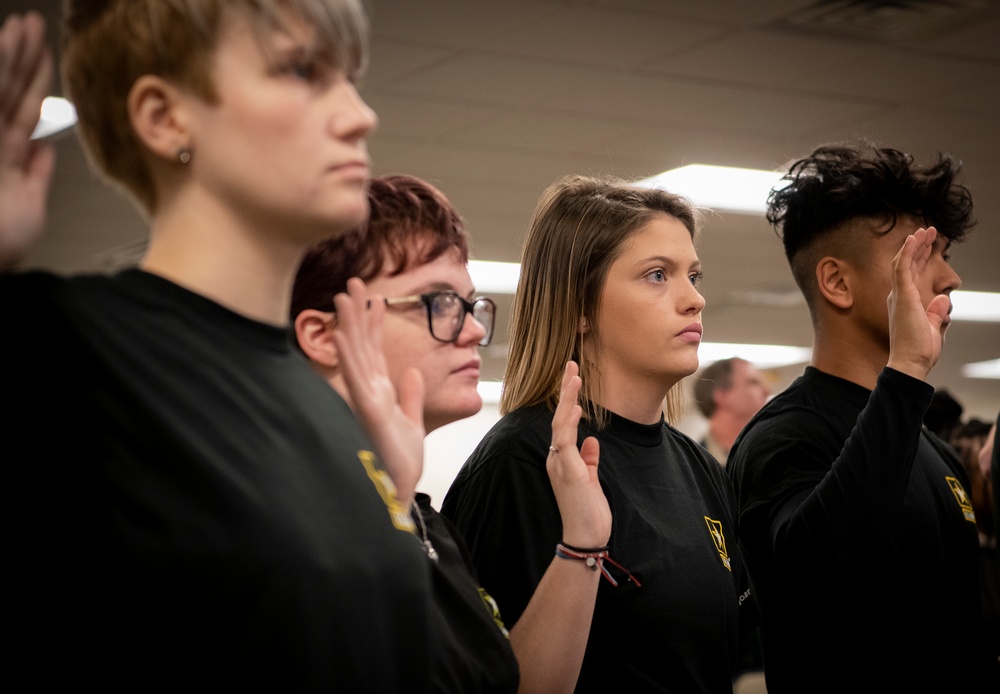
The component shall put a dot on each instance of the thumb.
(590, 451)
(937, 309)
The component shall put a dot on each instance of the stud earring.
(184, 155)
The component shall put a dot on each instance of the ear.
(315, 337)
(155, 109)
(834, 282)
(583, 327)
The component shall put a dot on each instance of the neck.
(203, 247)
(849, 354)
(640, 400)
(724, 428)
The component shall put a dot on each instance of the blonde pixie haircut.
(579, 228)
(106, 45)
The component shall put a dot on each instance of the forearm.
(867, 482)
(550, 638)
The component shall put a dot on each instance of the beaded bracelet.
(594, 558)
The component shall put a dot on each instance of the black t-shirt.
(190, 506)
(472, 652)
(673, 528)
(860, 540)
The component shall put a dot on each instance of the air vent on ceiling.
(887, 20)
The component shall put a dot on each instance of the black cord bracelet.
(580, 550)
(594, 559)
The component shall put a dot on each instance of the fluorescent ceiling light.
(718, 187)
(982, 369)
(492, 276)
(58, 114)
(976, 306)
(761, 356)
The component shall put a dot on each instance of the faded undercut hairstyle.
(830, 199)
(411, 223)
(579, 228)
(106, 45)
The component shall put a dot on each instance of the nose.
(352, 119)
(948, 280)
(693, 301)
(472, 332)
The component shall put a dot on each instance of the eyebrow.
(441, 286)
(668, 262)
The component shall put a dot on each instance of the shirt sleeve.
(503, 505)
(814, 497)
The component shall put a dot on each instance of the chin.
(682, 368)
(454, 411)
(346, 210)
(354, 215)
(468, 407)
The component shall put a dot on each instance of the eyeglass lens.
(448, 310)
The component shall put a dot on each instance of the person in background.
(970, 439)
(728, 393)
(609, 277)
(413, 252)
(190, 505)
(855, 522)
(944, 415)
(989, 468)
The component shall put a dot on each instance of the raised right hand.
(25, 165)
(394, 421)
(916, 334)
(586, 516)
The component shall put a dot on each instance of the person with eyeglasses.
(412, 257)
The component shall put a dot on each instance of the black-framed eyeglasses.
(446, 312)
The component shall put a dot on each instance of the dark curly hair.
(839, 183)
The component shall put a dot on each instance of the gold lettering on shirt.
(494, 610)
(962, 498)
(399, 514)
(715, 530)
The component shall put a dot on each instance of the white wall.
(446, 449)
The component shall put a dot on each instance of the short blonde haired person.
(107, 46)
(195, 508)
(609, 278)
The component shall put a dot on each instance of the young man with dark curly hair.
(855, 522)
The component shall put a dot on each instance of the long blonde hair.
(579, 228)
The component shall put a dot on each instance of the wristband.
(594, 558)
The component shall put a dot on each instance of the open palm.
(25, 166)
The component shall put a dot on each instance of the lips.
(691, 333)
(471, 367)
(359, 167)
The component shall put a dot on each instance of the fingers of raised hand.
(924, 239)
(411, 395)
(358, 334)
(25, 69)
(568, 411)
